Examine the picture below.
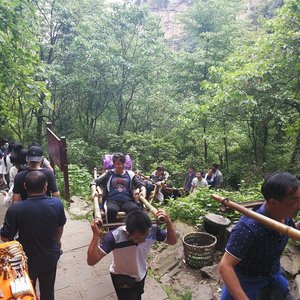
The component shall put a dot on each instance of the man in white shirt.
(198, 181)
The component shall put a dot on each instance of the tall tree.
(124, 56)
(20, 65)
(212, 31)
(261, 84)
(56, 24)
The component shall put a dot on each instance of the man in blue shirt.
(252, 255)
(188, 178)
(39, 222)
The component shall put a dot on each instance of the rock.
(290, 262)
(79, 207)
(204, 292)
(166, 279)
(216, 225)
(211, 272)
(188, 280)
(296, 287)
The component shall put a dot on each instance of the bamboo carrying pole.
(153, 210)
(97, 213)
(117, 224)
(282, 228)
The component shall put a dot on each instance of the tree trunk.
(296, 153)
(225, 145)
(265, 141)
(205, 146)
(39, 119)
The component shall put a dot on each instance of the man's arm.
(16, 198)
(46, 164)
(137, 183)
(100, 181)
(171, 232)
(229, 277)
(94, 253)
(192, 188)
(17, 188)
(143, 191)
(52, 185)
(9, 228)
(56, 194)
(59, 233)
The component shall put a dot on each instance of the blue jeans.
(253, 287)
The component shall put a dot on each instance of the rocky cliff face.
(168, 10)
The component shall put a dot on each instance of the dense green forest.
(108, 80)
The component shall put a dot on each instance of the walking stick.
(153, 210)
(280, 227)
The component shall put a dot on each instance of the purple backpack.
(107, 162)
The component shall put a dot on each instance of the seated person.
(159, 176)
(198, 181)
(210, 178)
(118, 184)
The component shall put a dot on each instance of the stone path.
(75, 279)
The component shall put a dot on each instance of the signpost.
(57, 150)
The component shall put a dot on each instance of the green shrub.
(192, 208)
(79, 181)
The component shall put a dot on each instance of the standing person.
(217, 175)
(3, 183)
(45, 162)
(118, 185)
(39, 223)
(34, 159)
(252, 255)
(130, 245)
(7, 162)
(188, 177)
(20, 164)
(198, 181)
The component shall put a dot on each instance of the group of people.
(38, 222)
(212, 179)
(250, 266)
(131, 243)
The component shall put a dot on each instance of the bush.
(194, 207)
(79, 181)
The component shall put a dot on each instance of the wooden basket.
(199, 249)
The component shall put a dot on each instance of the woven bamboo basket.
(199, 249)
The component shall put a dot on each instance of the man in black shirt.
(34, 159)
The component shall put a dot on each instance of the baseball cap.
(35, 153)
